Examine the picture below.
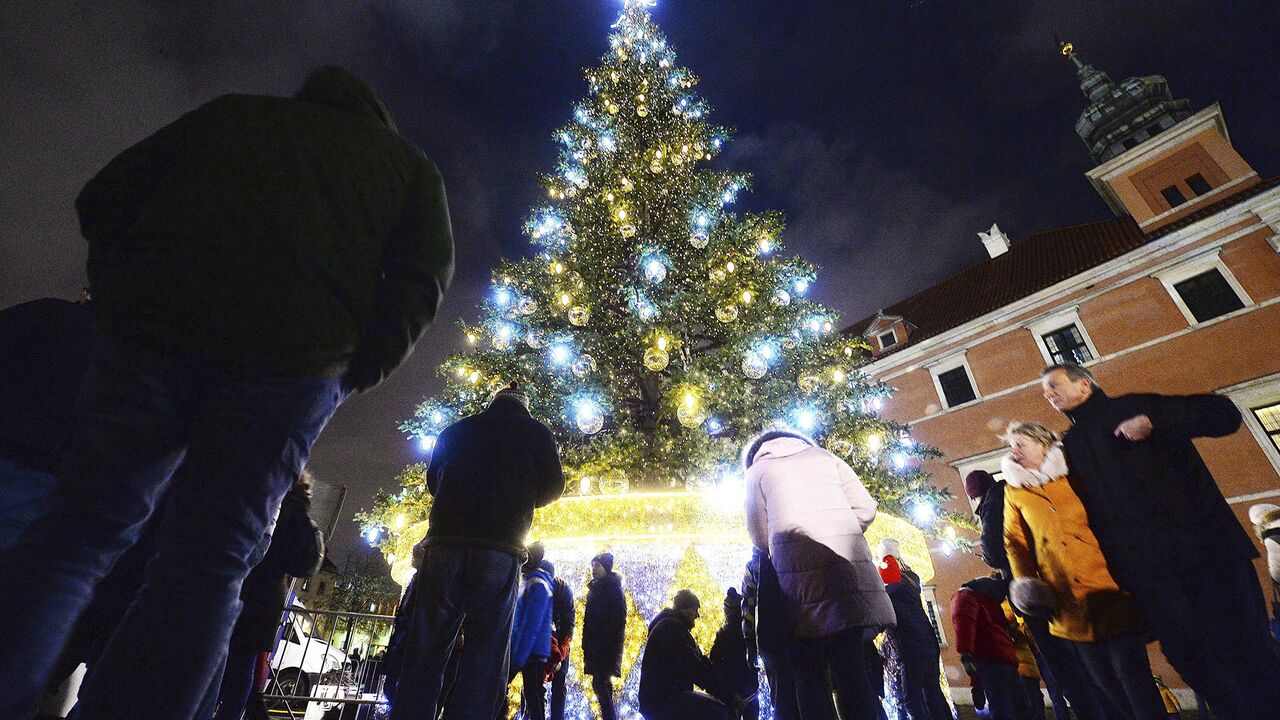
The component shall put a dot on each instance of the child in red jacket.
(985, 646)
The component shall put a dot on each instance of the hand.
(1135, 429)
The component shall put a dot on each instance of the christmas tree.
(657, 330)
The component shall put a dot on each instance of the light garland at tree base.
(661, 542)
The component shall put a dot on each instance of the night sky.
(888, 132)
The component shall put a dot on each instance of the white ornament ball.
(753, 365)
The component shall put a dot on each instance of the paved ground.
(967, 713)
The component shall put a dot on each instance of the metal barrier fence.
(313, 673)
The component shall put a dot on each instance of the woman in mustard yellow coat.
(1052, 550)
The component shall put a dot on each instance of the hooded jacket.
(673, 664)
(808, 510)
(990, 512)
(487, 473)
(531, 633)
(979, 622)
(1153, 505)
(296, 236)
(914, 632)
(604, 626)
(1047, 536)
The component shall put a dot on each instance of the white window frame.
(1197, 266)
(880, 338)
(930, 600)
(947, 365)
(1254, 393)
(1057, 321)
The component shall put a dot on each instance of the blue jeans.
(456, 584)
(244, 440)
(1003, 689)
(24, 496)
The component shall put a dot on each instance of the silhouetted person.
(563, 615)
(488, 472)
(604, 630)
(531, 632)
(673, 666)
(252, 264)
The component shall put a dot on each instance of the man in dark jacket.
(918, 647)
(1169, 536)
(729, 655)
(488, 472)
(251, 264)
(604, 630)
(45, 347)
(673, 665)
(563, 612)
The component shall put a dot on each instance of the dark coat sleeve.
(417, 267)
(992, 514)
(550, 473)
(439, 454)
(1192, 416)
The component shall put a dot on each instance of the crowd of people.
(257, 261)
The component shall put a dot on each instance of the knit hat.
(732, 600)
(977, 483)
(605, 559)
(686, 600)
(512, 392)
(890, 570)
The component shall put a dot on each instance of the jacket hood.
(673, 615)
(989, 586)
(337, 88)
(782, 447)
(548, 567)
(1053, 467)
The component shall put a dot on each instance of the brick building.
(1178, 293)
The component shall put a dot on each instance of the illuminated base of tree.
(662, 543)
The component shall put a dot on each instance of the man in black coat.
(604, 631)
(252, 263)
(1168, 534)
(673, 665)
(488, 472)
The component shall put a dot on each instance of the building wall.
(1145, 344)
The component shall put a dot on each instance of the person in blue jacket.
(531, 635)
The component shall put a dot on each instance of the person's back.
(255, 231)
(487, 474)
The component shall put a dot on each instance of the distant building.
(312, 591)
(1179, 293)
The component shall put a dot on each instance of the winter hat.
(605, 559)
(512, 392)
(537, 551)
(732, 600)
(890, 570)
(977, 483)
(1033, 597)
(686, 600)
(889, 546)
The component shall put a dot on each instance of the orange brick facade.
(1142, 341)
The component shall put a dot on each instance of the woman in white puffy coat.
(807, 509)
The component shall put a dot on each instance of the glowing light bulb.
(471, 338)
(565, 299)
(747, 297)
(662, 343)
(690, 400)
(427, 443)
(874, 442)
(730, 266)
(838, 375)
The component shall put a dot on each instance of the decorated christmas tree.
(657, 329)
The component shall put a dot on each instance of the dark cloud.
(889, 132)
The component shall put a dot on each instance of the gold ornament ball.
(699, 239)
(655, 168)
(841, 447)
(727, 313)
(691, 416)
(656, 360)
(628, 230)
(579, 315)
(642, 111)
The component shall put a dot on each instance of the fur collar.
(1053, 467)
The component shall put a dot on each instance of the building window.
(1173, 195)
(1067, 345)
(887, 340)
(1203, 288)
(956, 388)
(305, 583)
(1199, 185)
(1208, 295)
(1268, 417)
(931, 609)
